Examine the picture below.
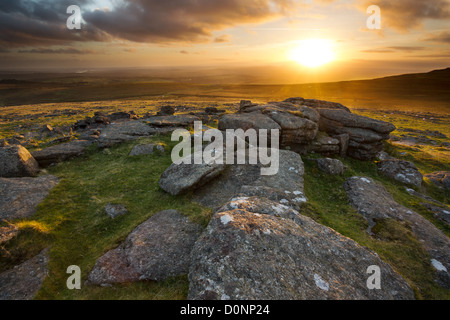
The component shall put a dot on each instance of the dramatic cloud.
(404, 15)
(36, 23)
(443, 37)
(181, 20)
(43, 22)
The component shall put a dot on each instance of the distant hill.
(425, 91)
(442, 74)
(421, 91)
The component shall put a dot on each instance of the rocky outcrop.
(156, 250)
(24, 281)
(61, 152)
(16, 161)
(214, 184)
(19, 197)
(295, 126)
(402, 171)
(100, 119)
(300, 121)
(374, 202)
(365, 135)
(298, 125)
(255, 249)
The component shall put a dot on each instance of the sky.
(414, 35)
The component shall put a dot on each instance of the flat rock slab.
(246, 121)
(24, 281)
(172, 121)
(16, 161)
(350, 120)
(181, 178)
(61, 152)
(247, 255)
(374, 202)
(156, 250)
(19, 197)
(402, 171)
(122, 131)
(285, 187)
(317, 104)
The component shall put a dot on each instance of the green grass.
(73, 223)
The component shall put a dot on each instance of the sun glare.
(313, 53)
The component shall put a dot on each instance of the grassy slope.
(71, 220)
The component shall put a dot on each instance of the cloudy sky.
(414, 34)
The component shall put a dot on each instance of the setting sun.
(313, 53)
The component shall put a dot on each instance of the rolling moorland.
(411, 92)
(38, 111)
